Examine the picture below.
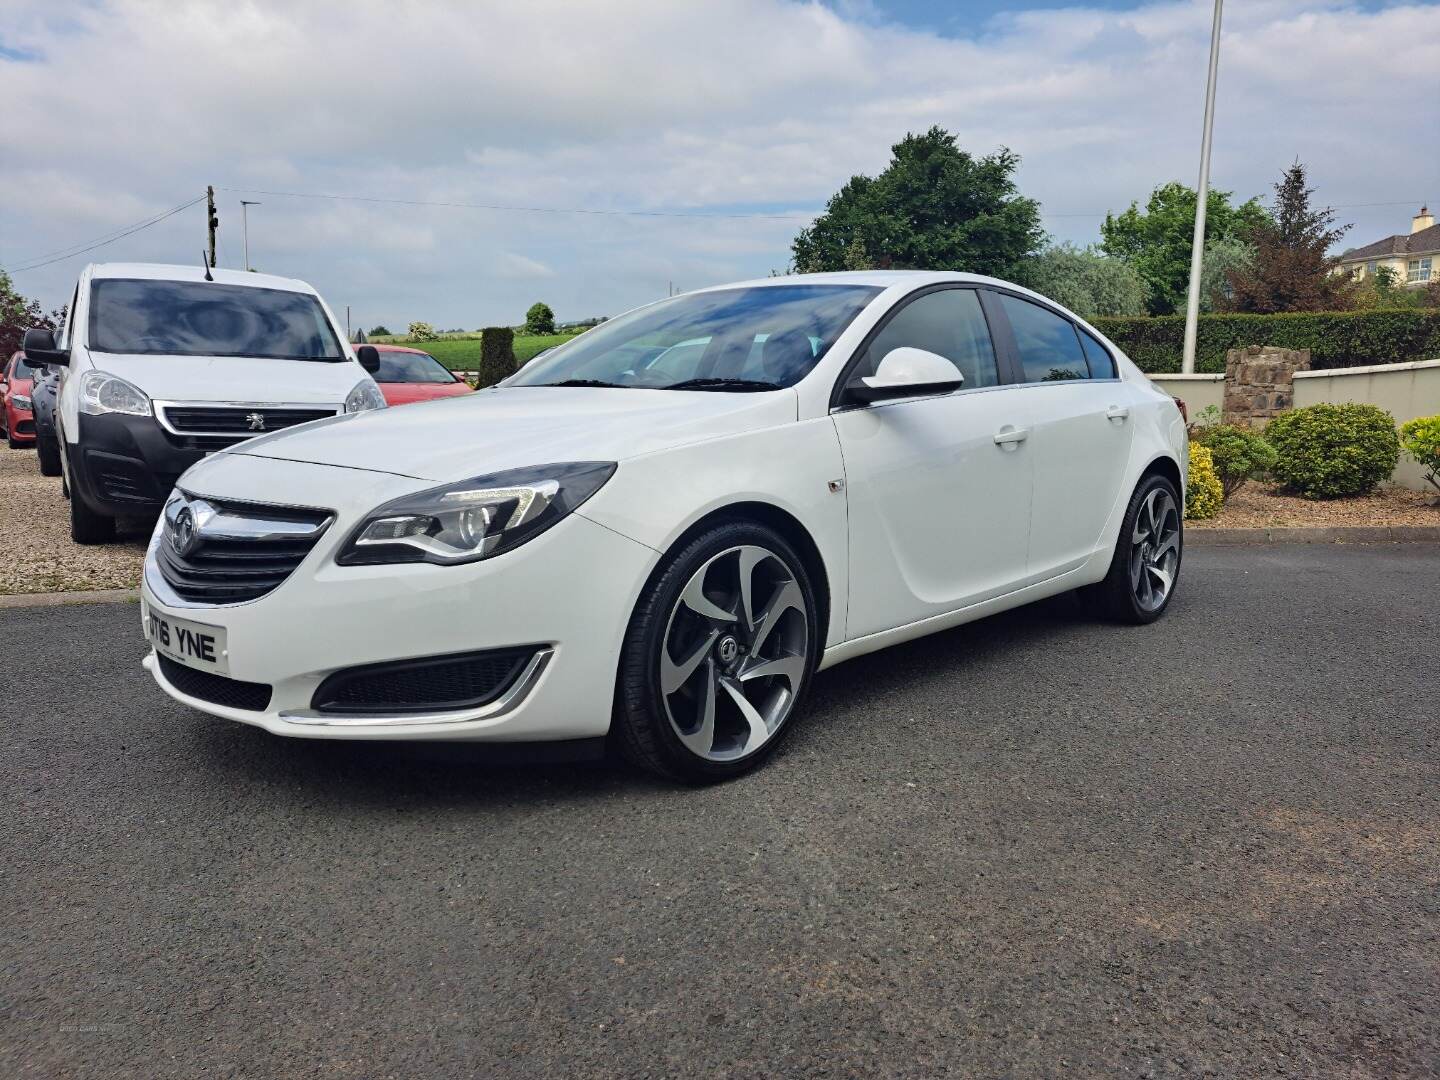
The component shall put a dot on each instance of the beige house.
(1414, 257)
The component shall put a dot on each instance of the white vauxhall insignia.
(660, 531)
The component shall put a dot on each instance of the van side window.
(1049, 348)
(948, 322)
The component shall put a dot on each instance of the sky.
(698, 135)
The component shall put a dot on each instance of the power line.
(521, 209)
(1331, 206)
(108, 238)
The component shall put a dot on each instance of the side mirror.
(369, 358)
(907, 372)
(39, 348)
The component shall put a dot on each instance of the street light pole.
(1202, 196)
(245, 205)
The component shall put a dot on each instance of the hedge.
(497, 355)
(1336, 339)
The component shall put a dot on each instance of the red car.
(16, 418)
(410, 375)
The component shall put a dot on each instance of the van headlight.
(101, 392)
(473, 519)
(364, 397)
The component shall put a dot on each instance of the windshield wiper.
(584, 382)
(722, 384)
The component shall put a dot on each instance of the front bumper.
(570, 591)
(125, 464)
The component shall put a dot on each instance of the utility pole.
(1202, 197)
(347, 322)
(212, 222)
(245, 205)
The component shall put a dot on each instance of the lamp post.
(245, 205)
(1197, 245)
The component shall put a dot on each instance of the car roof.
(382, 347)
(881, 279)
(178, 272)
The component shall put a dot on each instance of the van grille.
(214, 427)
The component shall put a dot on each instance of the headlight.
(20, 401)
(474, 519)
(364, 397)
(101, 392)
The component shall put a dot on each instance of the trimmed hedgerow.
(1336, 339)
(1333, 451)
(1203, 494)
(497, 355)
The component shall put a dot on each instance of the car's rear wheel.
(1146, 566)
(49, 454)
(86, 526)
(718, 654)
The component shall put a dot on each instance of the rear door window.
(1048, 345)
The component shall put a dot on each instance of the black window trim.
(837, 392)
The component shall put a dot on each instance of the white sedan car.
(662, 546)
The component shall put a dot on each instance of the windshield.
(204, 318)
(416, 367)
(760, 338)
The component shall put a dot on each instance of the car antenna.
(206, 263)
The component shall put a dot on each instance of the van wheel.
(86, 526)
(49, 453)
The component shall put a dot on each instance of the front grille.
(214, 427)
(216, 689)
(434, 684)
(229, 568)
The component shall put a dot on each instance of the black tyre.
(86, 526)
(12, 442)
(718, 655)
(1146, 567)
(49, 453)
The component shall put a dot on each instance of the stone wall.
(1258, 383)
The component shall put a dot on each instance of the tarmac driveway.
(1030, 847)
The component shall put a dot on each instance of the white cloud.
(136, 104)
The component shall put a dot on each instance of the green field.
(462, 353)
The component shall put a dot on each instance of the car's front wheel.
(718, 654)
(1146, 565)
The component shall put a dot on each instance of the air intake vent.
(434, 684)
(216, 689)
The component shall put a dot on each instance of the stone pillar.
(1258, 383)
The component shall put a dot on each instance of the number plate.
(193, 644)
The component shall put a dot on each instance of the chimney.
(1422, 220)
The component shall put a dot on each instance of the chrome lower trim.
(505, 703)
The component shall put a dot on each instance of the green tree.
(1222, 257)
(539, 319)
(18, 314)
(379, 331)
(1292, 271)
(1156, 241)
(1085, 281)
(935, 207)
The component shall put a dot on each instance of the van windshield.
(205, 318)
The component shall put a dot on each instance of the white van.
(165, 364)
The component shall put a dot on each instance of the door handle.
(1010, 436)
(1117, 412)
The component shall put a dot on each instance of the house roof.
(1424, 242)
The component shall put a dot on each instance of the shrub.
(539, 319)
(497, 355)
(423, 331)
(379, 331)
(1420, 438)
(1203, 494)
(1333, 451)
(1238, 452)
(1335, 338)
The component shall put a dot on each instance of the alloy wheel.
(735, 653)
(1155, 549)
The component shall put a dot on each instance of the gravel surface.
(1035, 846)
(1261, 506)
(37, 518)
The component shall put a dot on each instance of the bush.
(1335, 339)
(539, 319)
(1420, 438)
(379, 331)
(1238, 453)
(1333, 451)
(1203, 493)
(497, 355)
(423, 331)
